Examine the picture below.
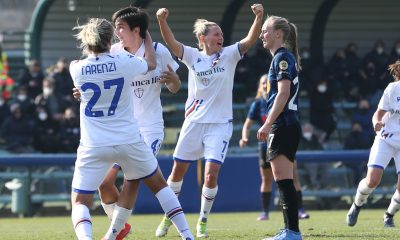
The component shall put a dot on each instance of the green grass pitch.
(322, 225)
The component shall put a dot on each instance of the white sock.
(175, 186)
(363, 192)
(108, 209)
(207, 200)
(120, 217)
(173, 210)
(394, 204)
(82, 222)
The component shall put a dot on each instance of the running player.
(207, 128)
(257, 113)
(385, 147)
(282, 127)
(108, 128)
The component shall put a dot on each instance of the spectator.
(305, 73)
(363, 116)
(4, 68)
(378, 56)
(322, 112)
(63, 83)
(395, 53)
(6, 87)
(353, 62)
(316, 171)
(48, 99)
(369, 80)
(339, 73)
(17, 131)
(69, 131)
(26, 104)
(32, 78)
(46, 137)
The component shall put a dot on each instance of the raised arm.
(166, 32)
(150, 54)
(251, 38)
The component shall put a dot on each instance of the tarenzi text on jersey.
(99, 68)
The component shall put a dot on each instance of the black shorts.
(262, 151)
(283, 140)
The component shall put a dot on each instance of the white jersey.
(210, 84)
(390, 102)
(147, 89)
(106, 110)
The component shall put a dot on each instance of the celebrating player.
(108, 129)
(207, 128)
(385, 147)
(282, 127)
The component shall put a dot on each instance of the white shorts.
(208, 140)
(153, 138)
(381, 154)
(92, 164)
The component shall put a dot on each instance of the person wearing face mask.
(395, 53)
(26, 104)
(17, 131)
(31, 77)
(305, 73)
(379, 57)
(46, 136)
(48, 100)
(363, 116)
(309, 142)
(322, 112)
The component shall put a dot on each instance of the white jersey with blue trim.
(210, 84)
(390, 102)
(106, 110)
(147, 88)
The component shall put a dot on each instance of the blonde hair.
(201, 27)
(394, 69)
(95, 36)
(289, 35)
(260, 89)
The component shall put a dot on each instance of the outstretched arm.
(251, 38)
(245, 132)
(166, 32)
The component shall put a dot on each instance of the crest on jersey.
(138, 92)
(205, 81)
(283, 65)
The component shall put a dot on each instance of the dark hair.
(134, 17)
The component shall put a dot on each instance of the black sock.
(289, 204)
(265, 199)
(299, 199)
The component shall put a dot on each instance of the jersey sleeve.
(284, 65)
(254, 111)
(189, 55)
(166, 58)
(384, 103)
(233, 52)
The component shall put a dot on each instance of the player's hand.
(162, 14)
(258, 9)
(169, 75)
(378, 126)
(263, 132)
(243, 142)
(76, 94)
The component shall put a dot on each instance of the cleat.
(388, 221)
(201, 229)
(352, 215)
(162, 229)
(263, 217)
(303, 214)
(124, 232)
(286, 234)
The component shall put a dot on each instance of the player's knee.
(211, 179)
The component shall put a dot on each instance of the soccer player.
(207, 128)
(282, 129)
(257, 113)
(131, 26)
(385, 147)
(108, 129)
